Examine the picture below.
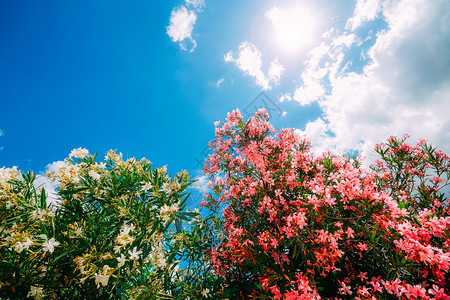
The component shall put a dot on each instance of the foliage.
(119, 230)
(282, 223)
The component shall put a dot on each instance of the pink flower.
(362, 276)
(376, 286)
(362, 246)
(393, 287)
(414, 291)
(349, 233)
(344, 289)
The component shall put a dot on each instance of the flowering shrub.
(299, 226)
(414, 175)
(119, 229)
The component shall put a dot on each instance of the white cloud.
(197, 4)
(219, 82)
(181, 25)
(324, 60)
(275, 71)
(405, 88)
(344, 40)
(365, 10)
(310, 91)
(229, 56)
(285, 97)
(318, 132)
(54, 166)
(250, 62)
(1, 134)
(42, 181)
(201, 184)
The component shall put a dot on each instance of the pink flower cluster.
(297, 226)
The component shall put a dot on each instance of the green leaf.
(43, 199)
(178, 225)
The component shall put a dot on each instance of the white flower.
(50, 245)
(102, 277)
(161, 262)
(134, 254)
(79, 153)
(111, 155)
(94, 175)
(205, 293)
(6, 174)
(36, 292)
(166, 212)
(116, 248)
(131, 161)
(147, 186)
(157, 258)
(166, 188)
(101, 165)
(126, 229)
(38, 214)
(19, 247)
(121, 260)
(50, 213)
(165, 218)
(28, 243)
(66, 173)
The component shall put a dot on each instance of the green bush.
(119, 229)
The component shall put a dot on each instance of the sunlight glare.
(293, 28)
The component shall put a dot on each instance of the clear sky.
(149, 78)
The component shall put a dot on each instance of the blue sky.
(149, 78)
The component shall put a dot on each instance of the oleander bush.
(119, 229)
(301, 226)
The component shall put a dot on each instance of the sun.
(293, 28)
